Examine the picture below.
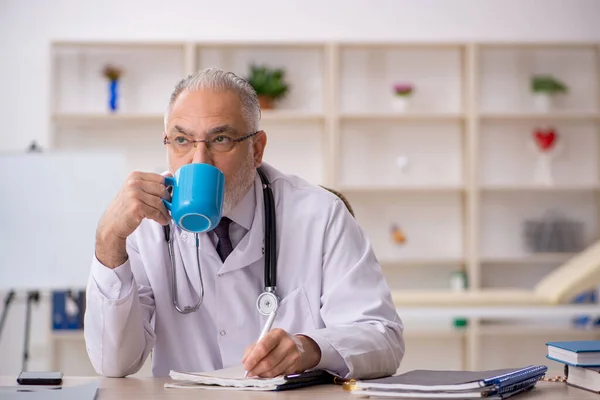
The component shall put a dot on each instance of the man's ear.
(260, 142)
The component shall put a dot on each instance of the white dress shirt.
(330, 285)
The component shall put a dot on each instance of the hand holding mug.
(140, 197)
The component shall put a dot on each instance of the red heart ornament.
(545, 139)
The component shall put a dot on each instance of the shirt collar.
(243, 213)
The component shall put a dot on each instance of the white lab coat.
(330, 284)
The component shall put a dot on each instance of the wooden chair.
(343, 198)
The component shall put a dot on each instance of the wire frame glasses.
(182, 145)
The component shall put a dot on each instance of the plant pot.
(400, 103)
(266, 102)
(542, 102)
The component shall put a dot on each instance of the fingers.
(261, 349)
(154, 188)
(272, 356)
(276, 362)
(248, 351)
(149, 206)
(148, 177)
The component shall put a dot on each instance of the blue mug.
(197, 200)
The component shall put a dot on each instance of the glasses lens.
(221, 144)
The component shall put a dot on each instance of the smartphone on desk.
(39, 378)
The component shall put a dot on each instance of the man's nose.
(201, 154)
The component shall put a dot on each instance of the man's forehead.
(207, 108)
(209, 101)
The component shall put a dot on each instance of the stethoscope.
(267, 302)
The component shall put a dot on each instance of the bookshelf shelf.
(392, 190)
(568, 116)
(541, 331)
(449, 262)
(399, 117)
(436, 333)
(535, 259)
(453, 170)
(75, 335)
(291, 116)
(103, 118)
(543, 189)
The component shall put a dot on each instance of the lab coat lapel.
(251, 247)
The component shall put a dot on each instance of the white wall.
(28, 26)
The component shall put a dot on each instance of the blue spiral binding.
(516, 376)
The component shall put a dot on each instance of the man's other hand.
(279, 353)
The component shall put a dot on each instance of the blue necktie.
(224, 246)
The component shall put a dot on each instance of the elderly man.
(335, 311)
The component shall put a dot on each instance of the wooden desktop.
(145, 388)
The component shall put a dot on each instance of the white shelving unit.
(454, 171)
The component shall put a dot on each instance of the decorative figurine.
(397, 235)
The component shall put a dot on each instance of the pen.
(266, 329)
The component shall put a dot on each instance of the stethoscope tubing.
(270, 267)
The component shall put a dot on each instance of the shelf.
(410, 117)
(378, 190)
(542, 258)
(436, 333)
(536, 330)
(290, 115)
(422, 262)
(267, 116)
(103, 118)
(454, 170)
(76, 335)
(534, 188)
(513, 313)
(551, 116)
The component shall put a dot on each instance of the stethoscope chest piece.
(267, 303)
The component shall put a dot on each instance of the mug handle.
(169, 181)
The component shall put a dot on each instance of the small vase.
(400, 103)
(541, 102)
(113, 98)
(543, 170)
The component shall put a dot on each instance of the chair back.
(342, 197)
(579, 274)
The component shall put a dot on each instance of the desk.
(152, 388)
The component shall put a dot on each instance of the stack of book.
(436, 384)
(581, 360)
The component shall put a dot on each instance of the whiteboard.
(50, 205)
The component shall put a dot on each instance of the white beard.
(240, 183)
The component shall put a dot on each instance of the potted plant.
(543, 88)
(402, 94)
(269, 84)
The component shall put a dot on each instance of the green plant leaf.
(547, 84)
(268, 81)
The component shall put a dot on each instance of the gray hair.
(217, 79)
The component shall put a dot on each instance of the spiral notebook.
(491, 384)
(233, 379)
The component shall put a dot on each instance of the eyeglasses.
(182, 145)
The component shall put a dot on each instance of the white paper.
(228, 378)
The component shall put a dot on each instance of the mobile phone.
(39, 378)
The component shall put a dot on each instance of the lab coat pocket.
(294, 314)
